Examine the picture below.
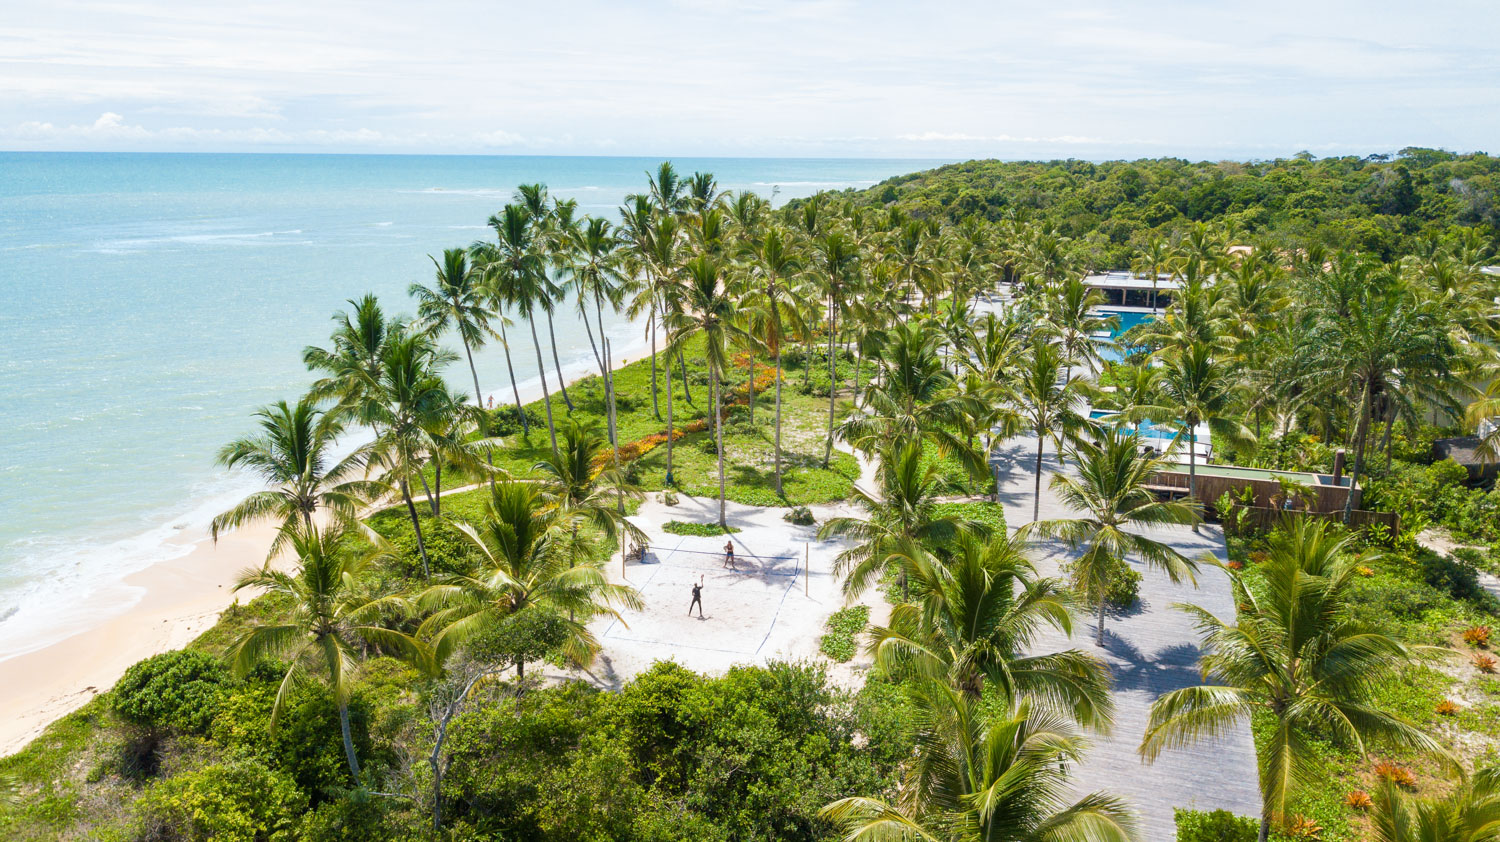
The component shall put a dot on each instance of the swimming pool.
(1145, 429)
(1127, 319)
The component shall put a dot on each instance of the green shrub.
(346, 819)
(306, 742)
(173, 691)
(1447, 473)
(505, 421)
(1124, 585)
(238, 801)
(707, 530)
(844, 626)
(1216, 826)
(1458, 578)
(799, 516)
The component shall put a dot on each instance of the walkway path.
(1151, 650)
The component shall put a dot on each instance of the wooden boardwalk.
(1151, 650)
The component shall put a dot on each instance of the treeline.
(1379, 204)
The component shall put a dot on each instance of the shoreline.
(182, 597)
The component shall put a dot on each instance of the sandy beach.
(182, 598)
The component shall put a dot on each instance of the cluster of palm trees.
(1267, 338)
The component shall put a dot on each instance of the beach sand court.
(741, 608)
(769, 609)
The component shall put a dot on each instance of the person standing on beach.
(729, 555)
(697, 598)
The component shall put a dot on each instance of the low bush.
(1458, 579)
(506, 421)
(238, 801)
(705, 530)
(1215, 826)
(844, 626)
(799, 516)
(174, 691)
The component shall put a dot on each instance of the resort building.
(1128, 289)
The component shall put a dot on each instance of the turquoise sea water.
(149, 303)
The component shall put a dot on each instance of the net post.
(806, 567)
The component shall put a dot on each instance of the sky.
(822, 78)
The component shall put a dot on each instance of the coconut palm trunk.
(717, 389)
(607, 371)
(1362, 432)
(778, 421)
(1099, 620)
(478, 396)
(687, 393)
(750, 388)
(541, 368)
(562, 382)
(416, 526)
(348, 739)
(670, 480)
(516, 390)
(833, 380)
(651, 317)
(1036, 497)
(1193, 464)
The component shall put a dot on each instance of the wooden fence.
(1325, 498)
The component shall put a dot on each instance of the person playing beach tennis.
(729, 555)
(697, 598)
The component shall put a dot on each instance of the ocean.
(149, 303)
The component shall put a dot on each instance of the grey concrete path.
(1151, 649)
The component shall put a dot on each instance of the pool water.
(1127, 319)
(1145, 429)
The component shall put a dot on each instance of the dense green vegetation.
(1376, 204)
(382, 681)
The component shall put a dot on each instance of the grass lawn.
(749, 448)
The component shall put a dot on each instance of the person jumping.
(729, 555)
(697, 598)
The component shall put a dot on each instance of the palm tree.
(984, 772)
(494, 270)
(1046, 399)
(293, 455)
(837, 259)
(528, 559)
(914, 396)
(1196, 388)
(1385, 335)
(900, 519)
(578, 483)
(457, 300)
(1113, 497)
(980, 608)
(596, 278)
(551, 229)
(708, 313)
(353, 359)
(326, 621)
(773, 263)
(1299, 654)
(523, 282)
(411, 400)
(1071, 310)
(1470, 813)
(1154, 257)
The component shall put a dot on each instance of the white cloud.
(836, 77)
